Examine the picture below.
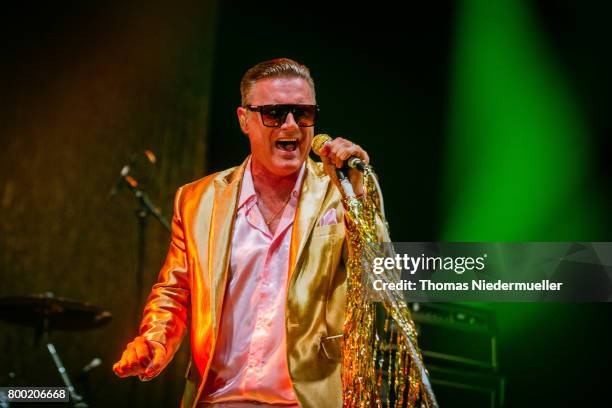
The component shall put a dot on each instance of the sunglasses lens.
(304, 115)
(275, 115)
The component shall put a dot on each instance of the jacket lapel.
(220, 238)
(312, 196)
(227, 189)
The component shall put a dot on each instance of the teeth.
(287, 140)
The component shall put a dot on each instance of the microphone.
(125, 170)
(124, 174)
(317, 144)
(321, 139)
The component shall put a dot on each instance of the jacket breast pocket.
(326, 247)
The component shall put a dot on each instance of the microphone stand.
(144, 210)
(43, 331)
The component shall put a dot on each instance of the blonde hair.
(276, 68)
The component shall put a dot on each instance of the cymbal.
(60, 313)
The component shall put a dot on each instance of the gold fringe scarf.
(382, 365)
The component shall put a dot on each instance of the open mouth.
(287, 145)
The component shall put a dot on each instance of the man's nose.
(289, 121)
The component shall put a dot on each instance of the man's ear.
(242, 119)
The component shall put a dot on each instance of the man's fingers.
(336, 149)
(330, 169)
(142, 353)
(339, 150)
(366, 159)
(153, 366)
(324, 152)
(133, 360)
(354, 150)
(158, 358)
(338, 162)
(121, 370)
(124, 363)
(326, 163)
(117, 369)
(334, 155)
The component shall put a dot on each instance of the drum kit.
(46, 313)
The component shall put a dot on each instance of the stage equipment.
(46, 313)
(145, 208)
(460, 350)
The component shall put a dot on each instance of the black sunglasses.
(275, 115)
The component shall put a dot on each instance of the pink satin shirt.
(250, 358)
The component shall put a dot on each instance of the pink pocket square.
(329, 218)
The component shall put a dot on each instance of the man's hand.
(141, 357)
(333, 155)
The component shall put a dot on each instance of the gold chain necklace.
(277, 213)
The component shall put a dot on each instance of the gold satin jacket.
(193, 279)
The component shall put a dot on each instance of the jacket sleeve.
(166, 312)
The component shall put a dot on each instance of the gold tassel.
(365, 349)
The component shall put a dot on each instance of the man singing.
(256, 262)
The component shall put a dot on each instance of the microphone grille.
(318, 141)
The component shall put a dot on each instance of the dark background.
(85, 85)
